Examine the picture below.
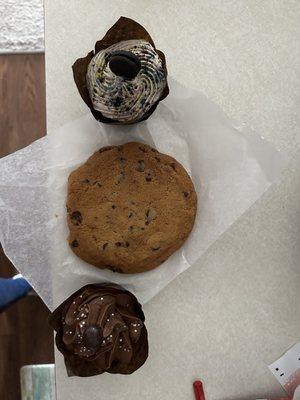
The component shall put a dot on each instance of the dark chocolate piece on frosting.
(125, 64)
(92, 337)
(100, 328)
(123, 29)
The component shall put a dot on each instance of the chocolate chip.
(104, 246)
(118, 244)
(75, 243)
(86, 181)
(113, 207)
(185, 194)
(142, 149)
(125, 64)
(173, 165)
(148, 178)
(157, 159)
(154, 151)
(141, 166)
(130, 214)
(76, 218)
(130, 228)
(123, 161)
(127, 244)
(92, 336)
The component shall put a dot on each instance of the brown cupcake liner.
(123, 29)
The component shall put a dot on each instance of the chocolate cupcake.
(123, 81)
(100, 328)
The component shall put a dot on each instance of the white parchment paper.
(230, 169)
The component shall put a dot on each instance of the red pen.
(198, 390)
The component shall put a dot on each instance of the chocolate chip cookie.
(129, 208)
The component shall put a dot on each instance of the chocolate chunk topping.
(92, 336)
(125, 64)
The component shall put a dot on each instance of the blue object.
(12, 290)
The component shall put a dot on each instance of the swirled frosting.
(101, 329)
(122, 99)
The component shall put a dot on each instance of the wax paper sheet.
(231, 169)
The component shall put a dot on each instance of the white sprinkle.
(101, 298)
(74, 302)
(120, 347)
(135, 330)
(112, 314)
(81, 296)
(110, 335)
(121, 340)
(128, 350)
(82, 315)
(107, 320)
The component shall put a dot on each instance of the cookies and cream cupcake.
(125, 78)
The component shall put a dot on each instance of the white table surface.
(238, 309)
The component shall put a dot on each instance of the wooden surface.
(25, 337)
(22, 101)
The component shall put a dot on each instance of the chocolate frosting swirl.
(101, 328)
